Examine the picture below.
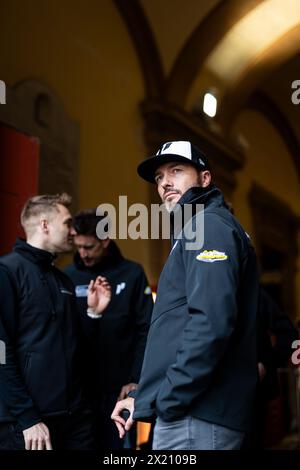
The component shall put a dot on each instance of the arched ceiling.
(266, 67)
(173, 22)
(256, 46)
(234, 47)
(226, 45)
(251, 36)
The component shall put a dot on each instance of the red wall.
(19, 165)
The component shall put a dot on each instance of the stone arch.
(145, 46)
(262, 103)
(200, 43)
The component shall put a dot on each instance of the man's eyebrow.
(172, 165)
(84, 245)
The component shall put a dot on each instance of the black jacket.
(117, 341)
(39, 325)
(200, 356)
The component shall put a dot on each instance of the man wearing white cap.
(199, 373)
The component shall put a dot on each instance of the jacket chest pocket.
(36, 304)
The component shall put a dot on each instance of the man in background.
(41, 400)
(116, 344)
(276, 334)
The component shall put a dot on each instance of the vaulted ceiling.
(247, 52)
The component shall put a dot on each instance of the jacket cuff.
(28, 418)
(91, 313)
(132, 393)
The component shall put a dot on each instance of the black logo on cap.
(164, 147)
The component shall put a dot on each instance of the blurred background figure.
(116, 342)
(276, 334)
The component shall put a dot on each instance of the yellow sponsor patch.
(210, 256)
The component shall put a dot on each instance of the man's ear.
(44, 225)
(205, 178)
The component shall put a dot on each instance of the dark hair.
(85, 222)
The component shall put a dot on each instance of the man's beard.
(171, 205)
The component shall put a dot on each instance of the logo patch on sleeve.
(210, 256)
(82, 290)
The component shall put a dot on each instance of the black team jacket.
(200, 357)
(39, 327)
(116, 342)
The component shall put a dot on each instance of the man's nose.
(82, 252)
(72, 231)
(166, 181)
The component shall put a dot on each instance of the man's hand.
(122, 425)
(99, 294)
(37, 437)
(126, 389)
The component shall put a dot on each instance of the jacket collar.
(36, 255)
(210, 196)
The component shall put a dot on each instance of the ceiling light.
(210, 104)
